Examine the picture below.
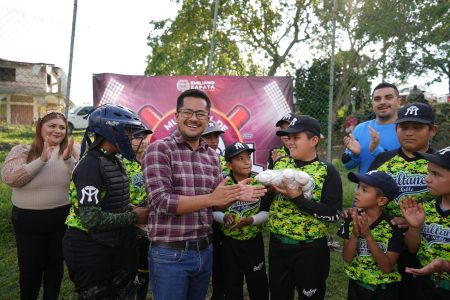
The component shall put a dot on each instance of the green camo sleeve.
(93, 218)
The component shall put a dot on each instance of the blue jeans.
(179, 274)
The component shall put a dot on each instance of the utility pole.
(213, 41)
(72, 41)
(331, 93)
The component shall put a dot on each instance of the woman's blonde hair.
(38, 143)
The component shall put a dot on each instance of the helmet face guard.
(117, 125)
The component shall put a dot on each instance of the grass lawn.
(9, 274)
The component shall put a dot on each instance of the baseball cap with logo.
(377, 179)
(287, 118)
(300, 124)
(440, 158)
(212, 127)
(416, 112)
(236, 148)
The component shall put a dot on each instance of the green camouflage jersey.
(223, 166)
(435, 235)
(73, 219)
(242, 209)
(87, 193)
(283, 151)
(304, 219)
(364, 267)
(409, 173)
(138, 194)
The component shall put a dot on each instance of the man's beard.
(385, 117)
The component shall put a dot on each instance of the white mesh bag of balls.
(293, 179)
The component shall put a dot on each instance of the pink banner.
(246, 108)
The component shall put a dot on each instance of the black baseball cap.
(378, 179)
(416, 112)
(441, 157)
(212, 127)
(236, 148)
(300, 124)
(142, 131)
(287, 118)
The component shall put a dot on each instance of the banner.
(246, 108)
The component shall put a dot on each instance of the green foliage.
(312, 87)
(182, 46)
(249, 35)
(442, 138)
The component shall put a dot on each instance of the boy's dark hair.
(380, 193)
(193, 93)
(386, 85)
(310, 135)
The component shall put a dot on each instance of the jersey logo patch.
(364, 250)
(309, 293)
(91, 192)
(436, 233)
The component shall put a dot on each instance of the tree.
(312, 87)
(249, 35)
(415, 35)
(270, 30)
(181, 47)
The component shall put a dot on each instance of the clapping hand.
(46, 151)
(69, 149)
(374, 139)
(352, 144)
(438, 266)
(250, 193)
(413, 212)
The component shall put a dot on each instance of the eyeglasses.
(199, 114)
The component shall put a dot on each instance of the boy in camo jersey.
(211, 135)
(241, 224)
(138, 197)
(415, 128)
(276, 153)
(299, 257)
(428, 234)
(372, 244)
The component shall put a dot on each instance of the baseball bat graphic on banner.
(150, 116)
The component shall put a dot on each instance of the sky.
(111, 37)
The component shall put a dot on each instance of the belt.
(288, 241)
(199, 245)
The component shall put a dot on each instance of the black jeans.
(304, 267)
(98, 271)
(245, 258)
(39, 236)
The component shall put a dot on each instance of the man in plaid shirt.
(183, 178)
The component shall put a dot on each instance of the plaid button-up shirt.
(171, 169)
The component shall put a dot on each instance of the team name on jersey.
(363, 248)
(436, 233)
(409, 183)
(241, 207)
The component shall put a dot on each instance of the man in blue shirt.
(372, 137)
